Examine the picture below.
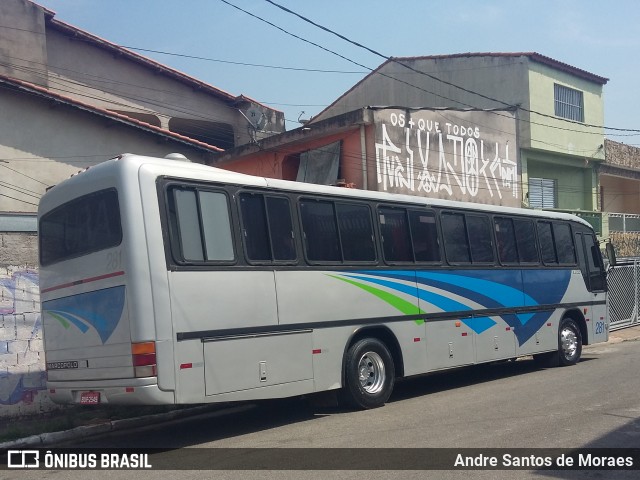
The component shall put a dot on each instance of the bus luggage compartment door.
(246, 362)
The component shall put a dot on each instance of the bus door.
(592, 268)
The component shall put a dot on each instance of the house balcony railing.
(624, 222)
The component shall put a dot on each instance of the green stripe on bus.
(61, 319)
(405, 307)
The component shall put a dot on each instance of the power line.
(23, 174)
(18, 200)
(391, 59)
(377, 72)
(261, 65)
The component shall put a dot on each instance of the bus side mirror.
(611, 254)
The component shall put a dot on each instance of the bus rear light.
(144, 359)
(146, 371)
(141, 360)
(144, 347)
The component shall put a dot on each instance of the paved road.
(593, 404)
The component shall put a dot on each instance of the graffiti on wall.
(460, 155)
(22, 373)
(19, 291)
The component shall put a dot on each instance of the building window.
(568, 103)
(543, 193)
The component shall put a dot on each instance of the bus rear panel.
(94, 352)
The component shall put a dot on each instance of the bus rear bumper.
(143, 391)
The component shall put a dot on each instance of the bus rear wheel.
(369, 374)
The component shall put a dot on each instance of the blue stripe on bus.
(100, 309)
(491, 289)
(440, 301)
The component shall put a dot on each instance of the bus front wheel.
(369, 374)
(569, 346)
(569, 342)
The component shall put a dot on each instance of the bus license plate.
(89, 398)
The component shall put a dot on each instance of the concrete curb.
(85, 431)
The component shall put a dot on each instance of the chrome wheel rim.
(569, 341)
(371, 372)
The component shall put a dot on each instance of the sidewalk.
(625, 334)
(94, 426)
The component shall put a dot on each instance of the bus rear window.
(84, 225)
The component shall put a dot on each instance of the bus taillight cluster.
(144, 359)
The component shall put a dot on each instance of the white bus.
(168, 282)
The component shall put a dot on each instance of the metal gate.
(623, 301)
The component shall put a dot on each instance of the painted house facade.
(465, 155)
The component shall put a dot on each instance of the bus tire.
(369, 374)
(569, 342)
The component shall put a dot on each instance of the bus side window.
(479, 231)
(456, 243)
(582, 260)
(267, 228)
(506, 240)
(526, 240)
(281, 229)
(255, 235)
(356, 233)
(320, 231)
(546, 243)
(424, 233)
(188, 225)
(597, 276)
(201, 223)
(216, 226)
(396, 238)
(564, 244)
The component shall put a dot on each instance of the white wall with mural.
(22, 371)
(467, 155)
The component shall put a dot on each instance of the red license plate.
(89, 398)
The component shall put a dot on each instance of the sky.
(301, 79)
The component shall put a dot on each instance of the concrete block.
(24, 331)
(8, 361)
(4, 347)
(35, 345)
(29, 358)
(7, 334)
(9, 322)
(32, 318)
(18, 346)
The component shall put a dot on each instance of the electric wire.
(433, 77)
